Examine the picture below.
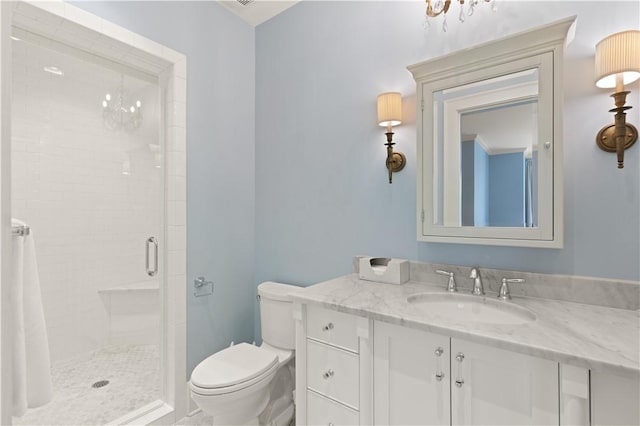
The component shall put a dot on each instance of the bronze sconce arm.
(619, 136)
(395, 160)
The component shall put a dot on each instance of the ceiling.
(255, 12)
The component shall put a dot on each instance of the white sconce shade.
(389, 115)
(389, 109)
(618, 54)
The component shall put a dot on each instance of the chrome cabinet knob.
(327, 374)
(439, 351)
(460, 357)
(328, 327)
(459, 382)
(439, 376)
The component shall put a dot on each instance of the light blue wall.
(481, 185)
(321, 190)
(474, 177)
(467, 182)
(506, 189)
(534, 186)
(220, 53)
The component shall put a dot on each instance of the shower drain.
(100, 384)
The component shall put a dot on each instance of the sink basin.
(467, 308)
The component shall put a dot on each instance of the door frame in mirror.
(482, 62)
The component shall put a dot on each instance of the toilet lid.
(233, 365)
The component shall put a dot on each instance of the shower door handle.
(151, 272)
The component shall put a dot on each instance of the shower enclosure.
(87, 179)
(96, 154)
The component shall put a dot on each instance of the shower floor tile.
(134, 380)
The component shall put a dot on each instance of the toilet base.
(251, 422)
(284, 418)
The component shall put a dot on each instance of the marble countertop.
(595, 337)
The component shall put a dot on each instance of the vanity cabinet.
(615, 400)
(428, 379)
(410, 376)
(353, 370)
(333, 367)
(498, 387)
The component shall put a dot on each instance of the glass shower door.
(87, 178)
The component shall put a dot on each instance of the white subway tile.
(176, 262)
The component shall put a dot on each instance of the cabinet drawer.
(332, 327)
(333, 372)
(323, 411)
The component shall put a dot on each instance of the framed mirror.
(490, 142)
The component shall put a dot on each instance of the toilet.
(247, 384)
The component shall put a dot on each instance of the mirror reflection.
(498, 165)
(487, 152)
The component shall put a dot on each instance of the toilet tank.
(276, 314)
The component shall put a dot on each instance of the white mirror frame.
(541, 48)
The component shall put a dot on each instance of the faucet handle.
(504, 293)
(451, 286)
(474, 273)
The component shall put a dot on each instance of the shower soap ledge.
(384, 270)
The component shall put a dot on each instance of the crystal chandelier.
(118, 112)
(441, 7)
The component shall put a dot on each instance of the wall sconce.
(617, 64)
(389, 115)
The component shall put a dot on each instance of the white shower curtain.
(31, 363)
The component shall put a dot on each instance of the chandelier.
(119, 112)
(441, 7)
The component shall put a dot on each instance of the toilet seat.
(233, 369)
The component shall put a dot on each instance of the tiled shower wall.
(91, 195)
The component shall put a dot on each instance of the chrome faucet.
(478, 290)
(451, 285)
(505, 294)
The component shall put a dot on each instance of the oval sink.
(467, 308)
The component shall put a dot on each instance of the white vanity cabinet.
(353, 370)
(430, 379)
(615, 400)
(498, 387)
(410, 376)
(333, 367)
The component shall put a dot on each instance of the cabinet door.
(498, 387)
(411, 376)
(615, 400)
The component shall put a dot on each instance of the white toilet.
(247, 384)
